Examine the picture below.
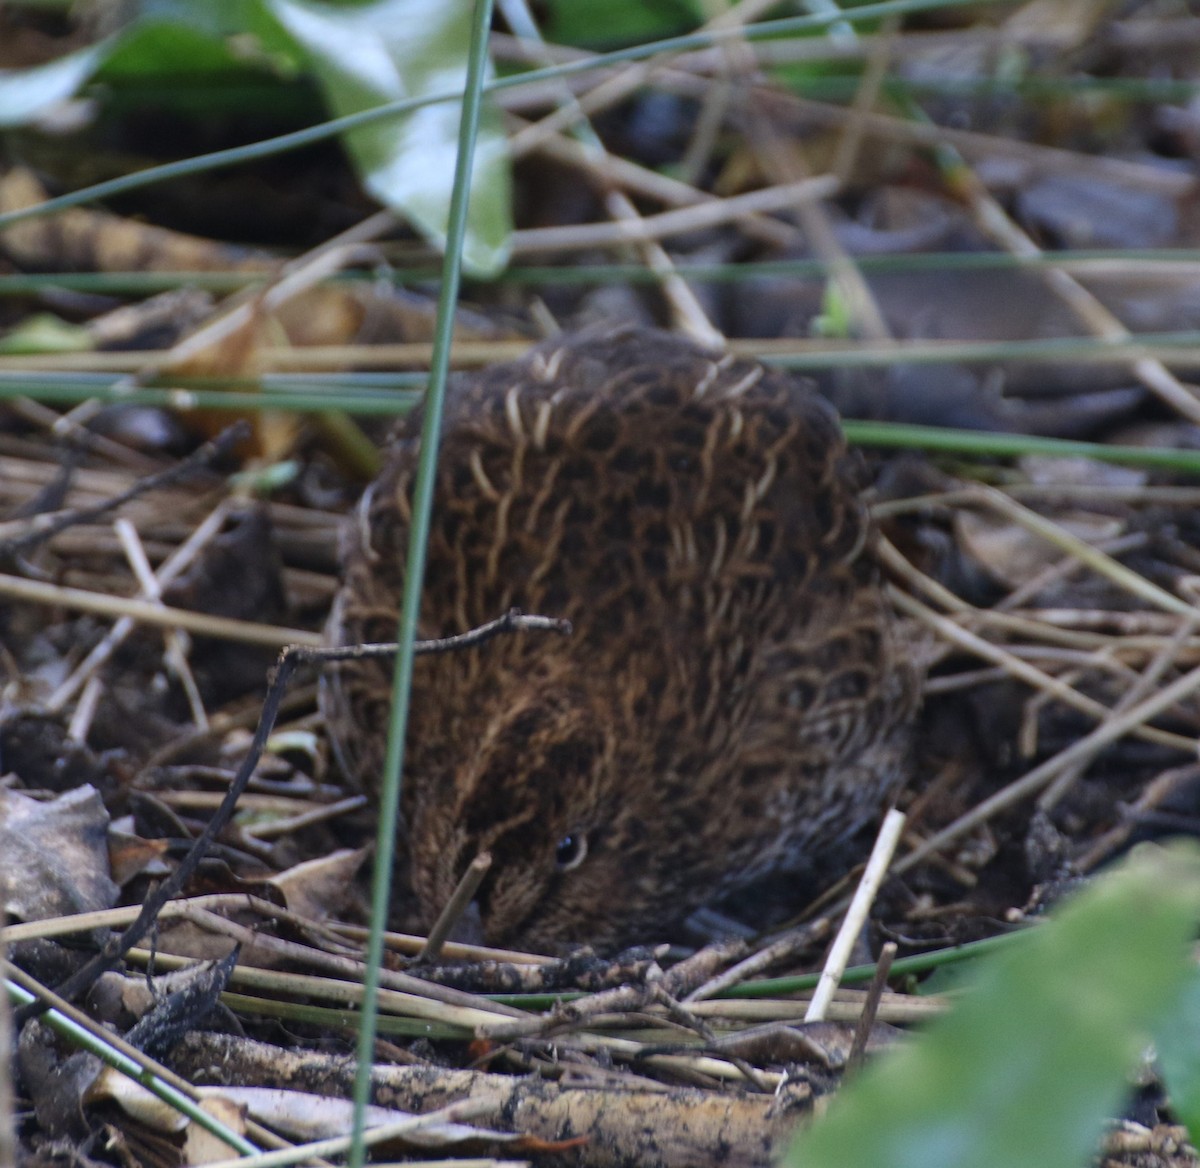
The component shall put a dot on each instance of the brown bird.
(733, 698)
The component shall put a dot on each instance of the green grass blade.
(389, 800)
(1032, 1062)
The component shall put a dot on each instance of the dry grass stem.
(470, 354)
(973, 144)
(177, 643)
(856, 915)
(947, 630)
(1116, 726)
(305, 819)
(639, 180)
(657, 227)
(1086, 553)
(411, 944)
(1164, 660)
(1056, 573)
(441, 1003)
(748, 967)
(146, 612)
(1095, 317)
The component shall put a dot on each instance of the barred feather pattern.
(733, 697)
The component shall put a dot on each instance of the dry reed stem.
(949, 631)
(161, 616)
(1116, 726)
(701, 216)
(856, 915)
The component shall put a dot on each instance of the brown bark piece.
(655, 1129)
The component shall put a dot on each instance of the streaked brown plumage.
(732, 698)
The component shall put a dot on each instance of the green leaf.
(25, 94)
(169, 40)
(1177, 1041)
(365, 54)
(362, 55)
(199, 38)
(1028, 1067)
(608, 23)
(43, 333)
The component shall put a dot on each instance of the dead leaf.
(86, 240)
(131, 855)
(319, 887)
(1013, 555)
(55, 855)
(202, 1147)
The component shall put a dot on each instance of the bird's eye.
(570, 851)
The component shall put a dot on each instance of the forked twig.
(511, 622)
(290, 659)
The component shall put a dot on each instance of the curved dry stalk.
(1031, 675)
(1100, 562)
(1153, 673)
(1085, 748)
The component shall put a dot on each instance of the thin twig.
(679, 1013)
(454, 908)
(778, 950)
(44, 527)
(289, 660)
(1109, 731)
(866, 1020)
(512, 621)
